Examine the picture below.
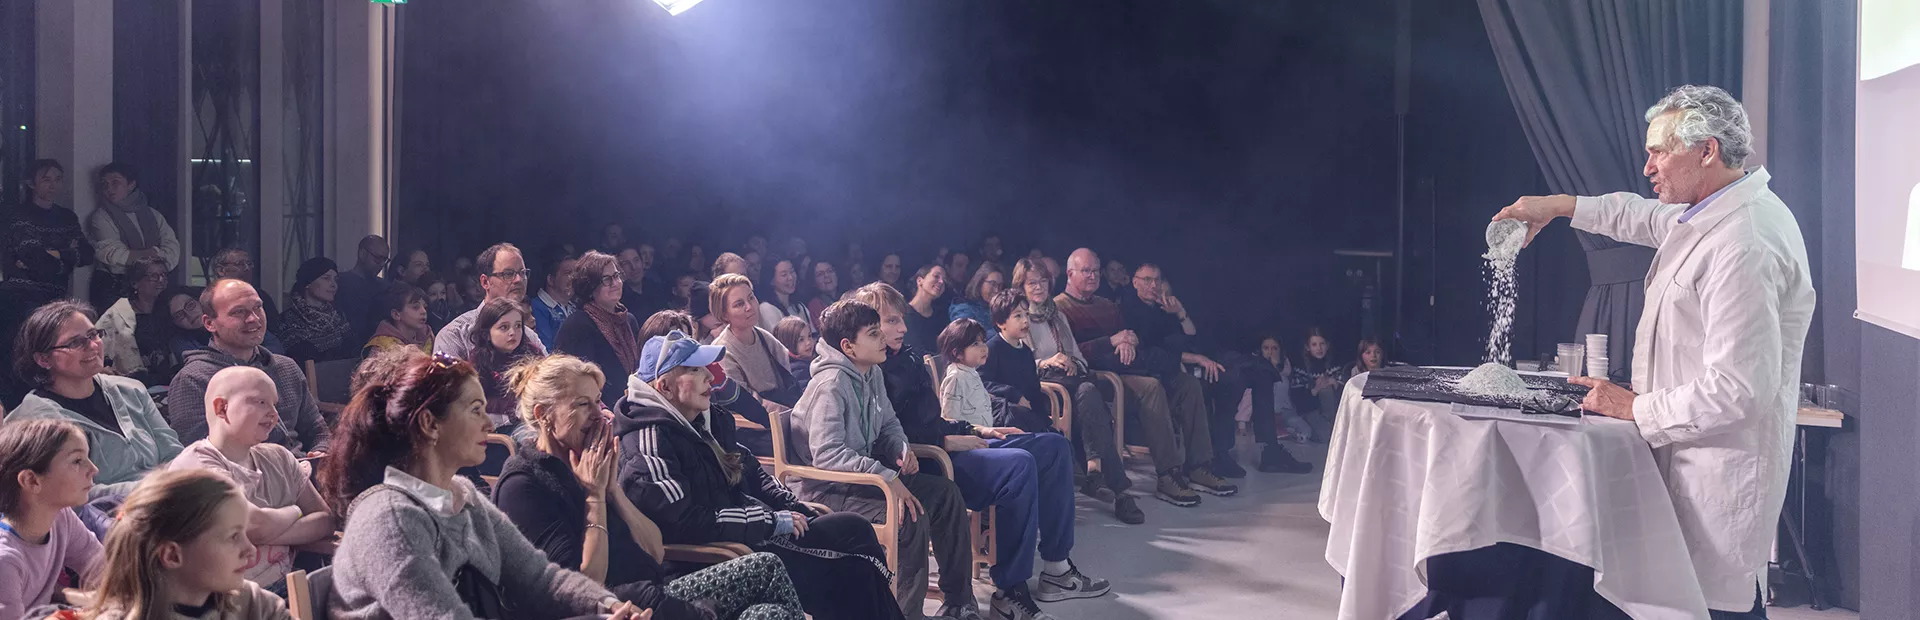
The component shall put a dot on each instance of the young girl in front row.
(44, 474)
(179, 551)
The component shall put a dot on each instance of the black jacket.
(915, 399)
(580, 337)
(540, 494)
(669, 473)
(1011, 374)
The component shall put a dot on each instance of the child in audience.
(44, 475)
(179, 551)
(285, 511)
(1026, 476)
(844, 423)
(405, 322)
(797, 336)
(420, 541)
(963, 393)
(498, 341)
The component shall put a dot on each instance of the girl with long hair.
(178, 551)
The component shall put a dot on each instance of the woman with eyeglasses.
(59, 352)
(987, 282)
(130, 322)
(312, 327)
(602, 332)
(420, 541)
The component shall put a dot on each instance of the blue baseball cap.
(676, 349)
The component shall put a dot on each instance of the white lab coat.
(1716, 363)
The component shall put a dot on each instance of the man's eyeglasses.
(81, 341)
(1147, 279)
(244, 264)
(512, 274)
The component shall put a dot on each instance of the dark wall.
(1237, 144)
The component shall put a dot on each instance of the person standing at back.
(503, 273)
(39, 218)
(123, 230)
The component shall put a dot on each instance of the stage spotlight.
(676, 7)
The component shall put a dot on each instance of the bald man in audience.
(286, 512)
(237, 319)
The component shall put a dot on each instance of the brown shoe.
(1171, 491)
(1205, 482)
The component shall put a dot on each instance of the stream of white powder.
(1504, 240)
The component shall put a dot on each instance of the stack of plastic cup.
(1597, 362)
(1568, 358)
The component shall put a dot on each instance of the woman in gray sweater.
(420, 542)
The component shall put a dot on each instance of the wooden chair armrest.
(827, 475)
(936, 453)
(1062, 406)
(818, 508)
(742, 422)
(706, 554)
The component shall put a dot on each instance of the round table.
(1406, 481)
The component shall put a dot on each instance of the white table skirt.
(1406, 481)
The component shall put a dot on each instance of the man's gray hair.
(1708, 112)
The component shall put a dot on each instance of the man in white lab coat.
(1716, 364)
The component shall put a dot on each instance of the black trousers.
(850, 586)
(1514, 582)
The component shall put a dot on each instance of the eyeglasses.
(157, 276)
(81, 341)
(244, 264)
(188, 312)
(512, 274)
(1147, 279)
(611, 280)
(1083, 271)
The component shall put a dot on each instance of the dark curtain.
(1810, 149)
(1582, 74)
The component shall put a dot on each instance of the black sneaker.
(1128, 511)
(1226, 468)
(1276, 459)
(1091, 487)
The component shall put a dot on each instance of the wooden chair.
(307, 594)
(1062, 407)
(329, 383)
(1119, 414)
(496, 439)
(784, 469)
(741, 422)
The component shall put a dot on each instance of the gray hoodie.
(302, 428)
(844, 422)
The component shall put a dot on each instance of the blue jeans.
(1029, 479)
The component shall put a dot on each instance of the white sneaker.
(1016, 605)
(1074, 584)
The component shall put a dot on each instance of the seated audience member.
(49, 226)
(890, 271)
(987, 282)
(1117, 284)
(797, 336)
(124, 229)
(501, 345)
(503, 274)
(841, 424)
(783, 301)
(557, 489)
(925, 314)
(1160, 320)
(237, 264)
(313, 328)
(991, 250)
(680, 464)
(1026, 475)
(700, 307)
(1057, 357)
(359, 289)
(58, 351)
(1054, 270)
(683, 292)
(44, 476)
(285, 511)
(133, 334)
(728, 262)
(419, 540)
(31, 271)
(753, 266)
(754, 357)
(1270, 415)
(958, 265)
(603, 331)
(413, 265)
(612, 238)
(405, 324)
(797, 252)
(697, 260)
(180, 550)
(238, 326)
(554, 303)
(856, 272)
(1151, 375)
(826, 290)
(186, 326)
(1370, 357)
(471, 291)
(642, 292)
(1318, 379)
(442, 305)
(729, 397)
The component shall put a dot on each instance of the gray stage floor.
(1255, 555)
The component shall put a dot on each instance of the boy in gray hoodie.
(844, 422)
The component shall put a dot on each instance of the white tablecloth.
(1406, 481)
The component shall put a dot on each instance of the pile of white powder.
(1492, 379)
(1504, 240)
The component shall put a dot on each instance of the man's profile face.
(509, 278)
(1678, 172)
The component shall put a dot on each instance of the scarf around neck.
(419, 338)
(143, 236)
(320, 325)
(617, 328)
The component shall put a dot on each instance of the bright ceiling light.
(676, 7)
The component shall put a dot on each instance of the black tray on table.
(1551, 395)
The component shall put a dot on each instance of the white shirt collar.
(550, 302)
(437, 499)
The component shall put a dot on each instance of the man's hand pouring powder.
(1537, 212)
